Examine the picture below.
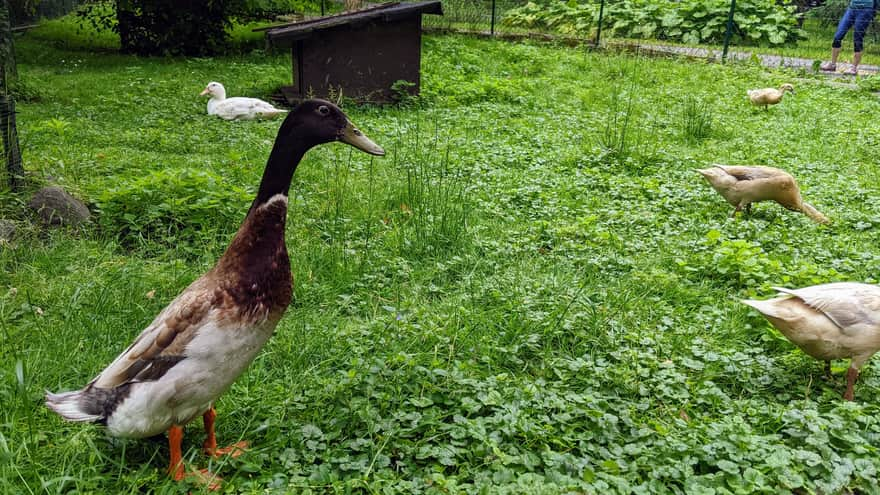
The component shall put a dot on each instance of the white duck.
(768, 96)
(829, 321)
(237, 107)
(205, 338)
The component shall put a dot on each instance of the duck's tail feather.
(814, 213)
(75, 406)
(271, 114)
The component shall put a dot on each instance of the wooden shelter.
(360, 55)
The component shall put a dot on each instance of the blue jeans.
(860, 18)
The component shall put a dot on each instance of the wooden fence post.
(599, 26)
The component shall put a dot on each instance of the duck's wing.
(162, 344)
(247, 108)
(750, 173)
(854, 307)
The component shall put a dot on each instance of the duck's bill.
(204, 92)
(351, 135)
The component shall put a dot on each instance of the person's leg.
(846, 22)
(863, 18)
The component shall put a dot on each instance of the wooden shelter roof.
(286, 34)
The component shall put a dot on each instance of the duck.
(238, 107)
(743, 185)
(208, 335)
(838, 320)
(768, 96)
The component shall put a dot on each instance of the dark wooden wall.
(363, 61)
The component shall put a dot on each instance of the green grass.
(523, 296)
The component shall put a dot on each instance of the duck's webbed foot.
(210, 445)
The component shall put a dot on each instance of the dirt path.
(766, 60)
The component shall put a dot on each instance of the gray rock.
(56, 207)
(7, 230)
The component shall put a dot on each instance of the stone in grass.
(56, 207)
(7, 230)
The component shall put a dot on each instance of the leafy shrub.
(24, 90)
(169, 27)
(171, 208)
(163, 27)
(758, 22)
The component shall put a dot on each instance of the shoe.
(853, 71)
(828, 66)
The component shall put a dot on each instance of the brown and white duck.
(741, 186)
(768, 96)
(197, 346)
(829, 321)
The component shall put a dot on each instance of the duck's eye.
(324, 110)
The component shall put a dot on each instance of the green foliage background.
(171, 27)
(533, 292)
(756, 22)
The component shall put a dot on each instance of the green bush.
(169, 27)
(756, 22)
(180, 208)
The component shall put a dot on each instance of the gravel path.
(766, 60)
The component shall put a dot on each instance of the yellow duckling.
(768, 96)
(829, 321)
(741, 186)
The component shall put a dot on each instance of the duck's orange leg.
(210, 445)
(175, 438)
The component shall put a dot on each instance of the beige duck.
(768, 96)
(741, 186)
(829, 321)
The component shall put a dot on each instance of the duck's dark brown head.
(318, 121)
(311, 123)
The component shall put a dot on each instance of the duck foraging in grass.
(741, 186)
(196, 347)
(829, 321)
(238, 107)
(768, 96)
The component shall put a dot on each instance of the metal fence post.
(599, 26)
(729, 31)
(492, 26)
(10, 143)
(322, 7)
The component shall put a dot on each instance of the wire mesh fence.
(802, 29)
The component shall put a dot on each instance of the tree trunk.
(10, 143)
(7, 104)
(7, 53)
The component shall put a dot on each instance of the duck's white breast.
(214, 359)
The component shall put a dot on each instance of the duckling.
(768, 96)
(204, 339)
(830, 321)
(741, 186)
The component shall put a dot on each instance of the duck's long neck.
(256, 263)
(283, 160)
